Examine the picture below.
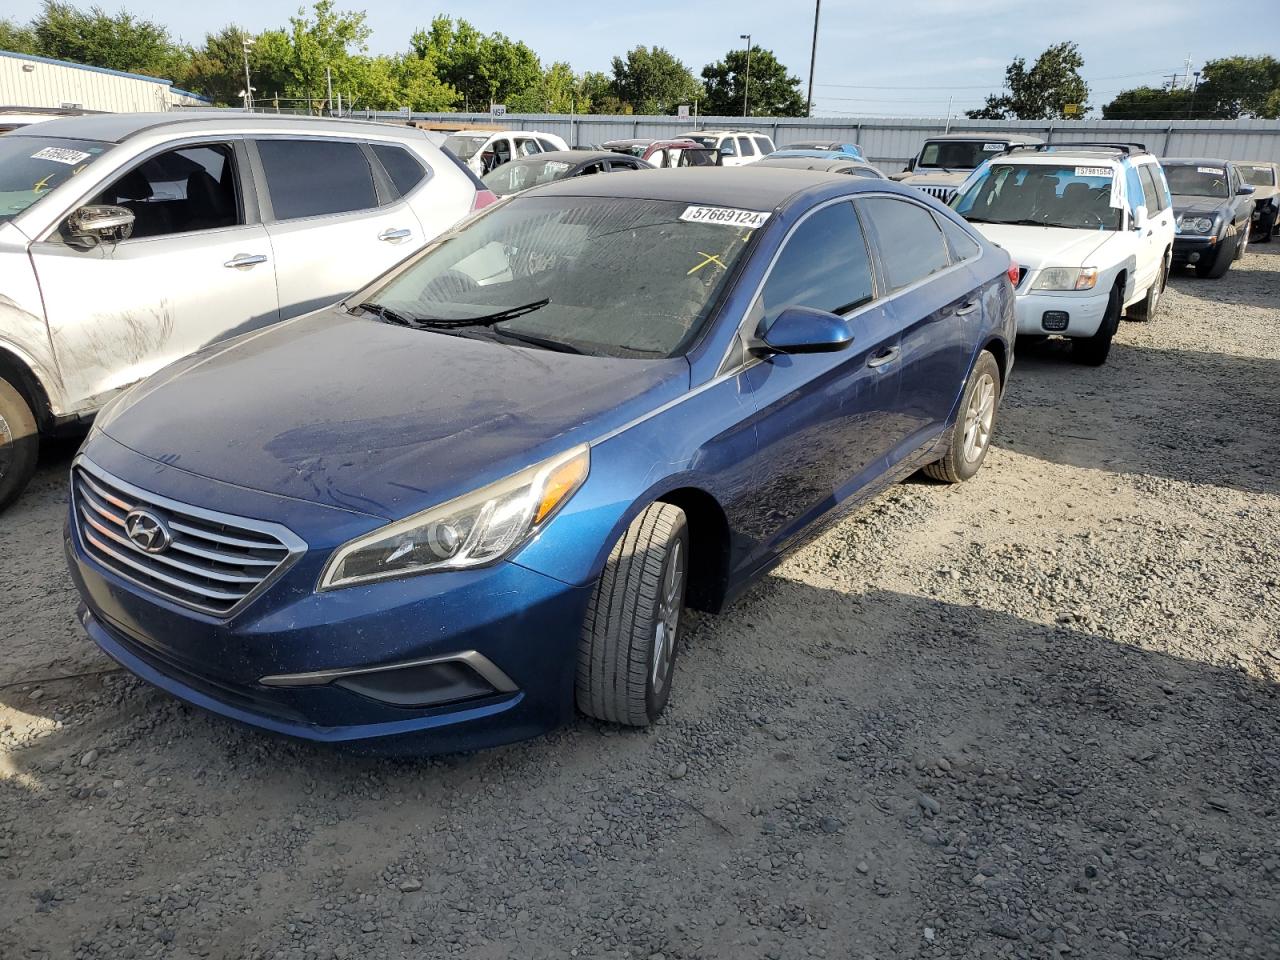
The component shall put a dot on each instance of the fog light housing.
(1193, 258)
(1055, 320)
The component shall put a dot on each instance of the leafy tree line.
(449, 65)
(1052, 89)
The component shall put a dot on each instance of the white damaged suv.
(1091, 228)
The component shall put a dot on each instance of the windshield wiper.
(386, 313)
(485, 320)
(546, 343)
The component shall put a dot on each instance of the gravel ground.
(1035, 715)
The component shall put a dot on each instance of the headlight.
(1196, 224)
(469, 531)
(1066, 278)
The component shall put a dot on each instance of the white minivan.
(128, 241)
(1091, 229)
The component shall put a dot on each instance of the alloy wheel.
(7, 447)
(669, 603)
(979, 417)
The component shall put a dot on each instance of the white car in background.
(128, 241)
(1091, 229)
(485, 150)
(737, 148)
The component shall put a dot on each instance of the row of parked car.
(379, 458)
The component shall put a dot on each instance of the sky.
(903, 58)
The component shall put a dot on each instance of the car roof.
(119, 127)
(830, 164)
(574, 156)
(753, 186)
(1010, 137)
(726, 133)
(814, 152)
(1187, 161)
(1059, 157)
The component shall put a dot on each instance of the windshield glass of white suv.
(958, 154)
(523, 174)
(1041, 195)
(31, 166)
(464, 147)
(1259, 176)
(595, 275)
(1196, 180)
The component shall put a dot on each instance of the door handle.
(395, 234)
(883, 358)
(969, 307)
(246, 260)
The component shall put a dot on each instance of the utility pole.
(746, 84)
(1191, 106)
(813, 54)
(245, 43)
(328, 81)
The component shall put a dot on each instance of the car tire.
(631, 634)
(19, 443)
(1219, 265)
(1242, 244)
(1147, 308)
(975, 424)
(1093, 351)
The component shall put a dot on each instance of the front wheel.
(1093, 351)
(971, 435)
(1216, 268)
(19, 443)
(631, 635)
(1147, 308)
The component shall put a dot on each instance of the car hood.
(937, 178)
(1035, 247)
(349, 412)
(1197, 206)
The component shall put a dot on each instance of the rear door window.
(314, 178)
(546, 145)
(1150, 193)
(402, 166)
(765, 145)
(823, 265)
(911, 245)
(727, 147)
(745, 147)
(527, 147)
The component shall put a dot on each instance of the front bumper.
(1193, 248)
(522, 623)
(1084, 311)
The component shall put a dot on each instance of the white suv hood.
(1036, 247)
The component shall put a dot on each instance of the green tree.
(483, 66)
(17, 37)
(293, 62)
(596, 94)
(768, 89)
(216, 69)
(116, 41)
(555, 92)
(1042, 92)
(1239, 87)
(1149, 103)
(651, 80)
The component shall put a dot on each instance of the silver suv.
(128, 241)
(944, 162)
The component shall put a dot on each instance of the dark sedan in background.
(482, 491)
(1214, 207)
(557, 165)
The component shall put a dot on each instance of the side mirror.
(1245, 189)
(805, 330)
(911, 165)
(97, 222)
(1140, 217)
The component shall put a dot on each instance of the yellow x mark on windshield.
(708, 258)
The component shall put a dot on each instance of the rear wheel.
(19, 443)
(1093, 351)
(971, 435)
(631, 635)
(1147, 308)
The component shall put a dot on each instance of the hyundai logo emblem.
(147, 531)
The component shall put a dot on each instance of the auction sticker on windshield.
(1216, 171)
(61, 155)
(725, 216)
(993, 147)
(1094, 172)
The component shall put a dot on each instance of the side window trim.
(383, 188)
(427, 171)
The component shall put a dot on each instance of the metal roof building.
(29, 81)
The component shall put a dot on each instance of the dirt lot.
(1032, 716)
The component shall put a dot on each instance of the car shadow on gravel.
(1191, 416)
(1251, 282)
(900, 763)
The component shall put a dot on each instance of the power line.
(980, 86)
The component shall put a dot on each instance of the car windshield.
(602, 276)
(31, 166)
(1260, 175)
(1196, 180)
(523, 174)
(709, 142)
(958, 154)
(1077, 197)
(464, 146)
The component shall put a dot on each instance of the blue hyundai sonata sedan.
(482, 491)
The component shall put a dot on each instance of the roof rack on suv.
(1125, 148)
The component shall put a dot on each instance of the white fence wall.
(27, 81)
(891, 142)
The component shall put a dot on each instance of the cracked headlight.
(472, 530)
(1066, 278)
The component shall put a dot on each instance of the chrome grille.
(214, 562)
